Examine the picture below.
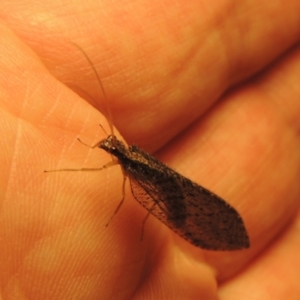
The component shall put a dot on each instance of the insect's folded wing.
(197, 215)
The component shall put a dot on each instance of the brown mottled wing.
(193, 212)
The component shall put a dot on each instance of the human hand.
(214, 90)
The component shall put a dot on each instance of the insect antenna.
(107, 108)
(109, 119)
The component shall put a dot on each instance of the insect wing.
(193, 212)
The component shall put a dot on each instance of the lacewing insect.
(193, 212)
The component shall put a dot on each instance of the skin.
(212, 88)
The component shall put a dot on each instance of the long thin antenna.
(109, 114)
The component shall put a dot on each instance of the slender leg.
(144, 221)
(110, 164)
(89, 146)
(103, 129)
(122, 200)
(96, 145)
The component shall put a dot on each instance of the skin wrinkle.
(15, 153)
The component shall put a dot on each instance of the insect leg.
(145, 219)
(122, 200)
(110, 164)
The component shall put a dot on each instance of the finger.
(46, 234)
(52, 227)
(248, 153)
(178, 62)
(274, 274)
